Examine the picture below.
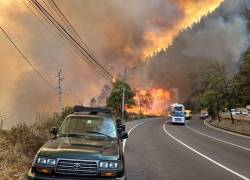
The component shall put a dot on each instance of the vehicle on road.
(88, 145)
(204, 114)
(245, 112)
(238, 112)
(248, 108)
(233, 111)
(177, 114)
(188, 114)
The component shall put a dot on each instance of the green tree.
(115, 99)
(218, 90)
(208, 101)
(213, 93)
(242, 81)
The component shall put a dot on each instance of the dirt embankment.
(242, 127)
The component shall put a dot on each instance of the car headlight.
(46, 161)
(104, 165)
(51, 162)
(42, 161)
(108, 165)
(113, 165)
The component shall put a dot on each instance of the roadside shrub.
(19, 145)
(17, 149)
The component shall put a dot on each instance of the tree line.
(220, 90)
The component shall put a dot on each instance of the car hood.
(80, 148)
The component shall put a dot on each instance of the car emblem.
(76, 166)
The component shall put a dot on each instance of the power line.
(62, 34)
(77, 99)
(71, 39)
(8, 26)
(26, 59)
(58, 36)
(90, 54)
(68, 24)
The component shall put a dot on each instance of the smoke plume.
(120, 33)
(223, 36)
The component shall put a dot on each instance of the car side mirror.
(124, 135)
(54, 131)
(121, 127)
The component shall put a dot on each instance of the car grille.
(77, 168)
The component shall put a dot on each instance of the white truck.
(178, 114)
(248, 108)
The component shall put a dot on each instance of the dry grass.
(239, 126)
(19, 145)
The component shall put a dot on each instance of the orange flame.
(155, 101)
(192, 10)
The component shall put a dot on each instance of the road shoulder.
(226, 130)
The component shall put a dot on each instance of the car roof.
(78, 108)
(87, 114)
(80, 111)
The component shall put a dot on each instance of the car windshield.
(178, 113)
(178, 108)
(81, 125)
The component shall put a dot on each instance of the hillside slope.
(222, 36)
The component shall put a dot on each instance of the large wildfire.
(120, 33)
(155, 101)
(192, 11)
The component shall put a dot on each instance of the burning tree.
(145, 102)
(151, 102)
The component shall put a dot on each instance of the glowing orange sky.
(23, 31)
(192, 10)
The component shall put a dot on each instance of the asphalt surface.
(156, 150)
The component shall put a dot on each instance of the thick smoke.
(222, 36)
(120, 33)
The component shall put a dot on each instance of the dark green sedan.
(88, 145)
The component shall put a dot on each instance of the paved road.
(156, 150)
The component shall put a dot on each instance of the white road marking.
(226, 142)
(124, 141)
(225, 131)
(204, 156)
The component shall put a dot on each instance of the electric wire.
(74, 47)
(60, 40)
(26, 59)
(70, 38)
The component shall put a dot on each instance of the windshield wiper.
(99, 133)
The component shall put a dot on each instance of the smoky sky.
(120, 33)
(223, 36)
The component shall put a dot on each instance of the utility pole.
(59, 103)
(2, 117)
(123, 93)
(123, 96)
(1, 122)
